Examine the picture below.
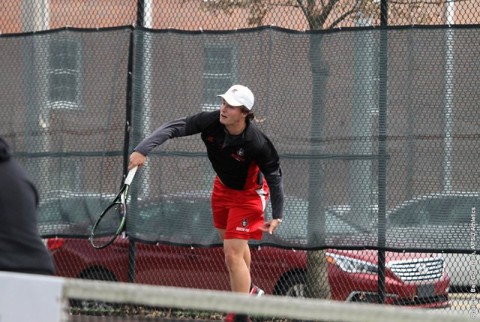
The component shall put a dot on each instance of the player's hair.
(250, 114)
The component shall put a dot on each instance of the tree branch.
(305, 13)
(327, 10)
(354, 9)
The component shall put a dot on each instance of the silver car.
(447, 221)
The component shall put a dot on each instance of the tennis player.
(248, 172)
(21, 246)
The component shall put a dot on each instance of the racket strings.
(109, 225)
(111, 222)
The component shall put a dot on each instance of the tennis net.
(58, 299)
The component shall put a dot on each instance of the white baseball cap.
(239, 95)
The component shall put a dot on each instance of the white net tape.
(267, 306)
(54, 295)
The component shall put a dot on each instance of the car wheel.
(293, 285)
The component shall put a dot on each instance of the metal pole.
(449, 93)
(35, 17)
(141, 63)
(363, 111)
(146, 88)
(382, 148)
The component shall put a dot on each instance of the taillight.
(55, 243)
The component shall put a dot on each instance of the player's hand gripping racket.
(111, 222)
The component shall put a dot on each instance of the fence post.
(141, 65)
(382, 147)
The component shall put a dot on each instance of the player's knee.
(231, 259)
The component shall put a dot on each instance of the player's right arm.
(173, 129)
(167, 131)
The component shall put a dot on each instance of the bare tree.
(328, 14)
(318, 13)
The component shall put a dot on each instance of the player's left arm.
(269, 164)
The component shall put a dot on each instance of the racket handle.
(130, 175)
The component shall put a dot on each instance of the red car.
(411, 278)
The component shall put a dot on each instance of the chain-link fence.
(36, 15)
(371, 105)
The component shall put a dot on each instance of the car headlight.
(351, 265)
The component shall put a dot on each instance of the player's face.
(231, 116)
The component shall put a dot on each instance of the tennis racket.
(111, 222)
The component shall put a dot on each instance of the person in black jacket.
(248, 173)
(21, 247)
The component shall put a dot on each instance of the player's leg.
(221, 233)
(240, 281)
(246, 256)
(235, 250)
(237, 222)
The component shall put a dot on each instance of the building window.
(219, 73)
(64, 74)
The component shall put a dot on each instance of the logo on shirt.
(239, 155)
(210, 139)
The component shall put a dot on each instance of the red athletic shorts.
(239, 212)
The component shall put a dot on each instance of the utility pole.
(363, 111)
(449, 94)
(35, 17)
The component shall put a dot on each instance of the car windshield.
(175, 209)
(72, 208)
(441, 211)
(336, 222)
(173, 218)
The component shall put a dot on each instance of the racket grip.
(130, 175)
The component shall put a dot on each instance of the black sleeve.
(275, 184)
(269, 164)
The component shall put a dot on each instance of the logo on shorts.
(244, 226)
